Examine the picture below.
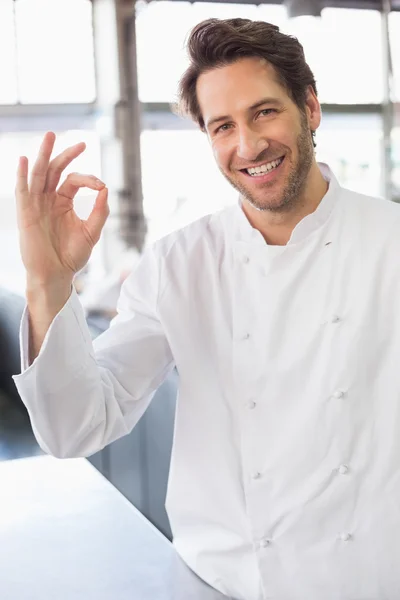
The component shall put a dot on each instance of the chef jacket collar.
(247, 233)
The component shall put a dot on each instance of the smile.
(265, 172)
(265, 168)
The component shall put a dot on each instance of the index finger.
(39, 171)
(60, 163)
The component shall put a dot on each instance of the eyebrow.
(275, 101)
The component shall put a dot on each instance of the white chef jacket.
(285, 472)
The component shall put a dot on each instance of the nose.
(250, 144)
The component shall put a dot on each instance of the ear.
(313, 109)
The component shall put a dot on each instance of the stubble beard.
(290, 196)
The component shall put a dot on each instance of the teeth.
(264, 168)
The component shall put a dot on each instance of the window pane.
(272, 13)
(188, 184)
(159, 72)
(394, 33)
(347, 71)
(8, 88)
(352, 146)
(56, 58)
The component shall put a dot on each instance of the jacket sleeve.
(82, 395)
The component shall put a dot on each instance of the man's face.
(251, 122)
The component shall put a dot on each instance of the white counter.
(67, 534)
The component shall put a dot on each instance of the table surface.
(67, 533)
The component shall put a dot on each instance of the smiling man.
(260, 120)
(281, 315)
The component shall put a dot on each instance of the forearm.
(82, 395)
(62, 389)
(80, 399)
(44, 302)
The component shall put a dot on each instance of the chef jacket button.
(265, 542)
(251, 404)
(335, 319)
(338, 394)
(246, 336)
(343, 469)
(345, 537)
(246, 260)
(256, 475)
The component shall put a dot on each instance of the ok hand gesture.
(55, 243)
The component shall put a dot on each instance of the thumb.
(98, 217)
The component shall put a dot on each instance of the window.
(352, 146)
(52, 61)
(347, 71)
(160, 52)
(394, 37)
(8, 72)
(188, 185)
(159, 71)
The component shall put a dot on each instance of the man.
(281, 316)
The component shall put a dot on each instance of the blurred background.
(77, 72)
(106, 72)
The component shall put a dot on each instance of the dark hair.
(216, 43)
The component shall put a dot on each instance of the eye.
(267, 111)
(221, 128)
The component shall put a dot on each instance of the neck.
(277, 227)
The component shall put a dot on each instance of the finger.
(22, 176)
(21, 187)
(98, 216)
(60, 163)
(39, 172)
(76, 181)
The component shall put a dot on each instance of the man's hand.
(55, 243)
